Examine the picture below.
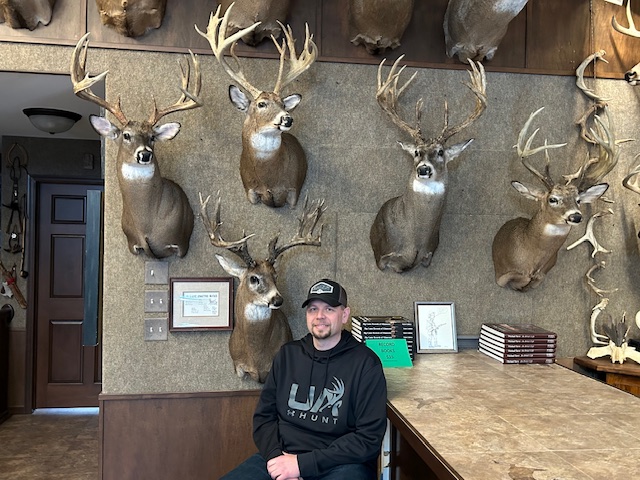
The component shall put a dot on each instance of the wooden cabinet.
(624, 376)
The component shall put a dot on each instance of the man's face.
(325, 322)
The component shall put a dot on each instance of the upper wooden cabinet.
(547, 37)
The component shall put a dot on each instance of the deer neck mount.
(269, 13)
(157, 217)
(260, 328)
(406, 230)
(273, 165)
(26, 13)
(473, 29)
(378, 25)
(632, 76)
(132, 18)
(524, 250)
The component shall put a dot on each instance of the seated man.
(322, 411)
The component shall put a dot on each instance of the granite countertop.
(491, 421)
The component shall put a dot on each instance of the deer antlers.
(82, 83)
(307, 223)
(388, 94)
(216, 33)
(631, 30)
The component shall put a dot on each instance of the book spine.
(518, 347)
(541, 340)
(522, 360)
(519, 335)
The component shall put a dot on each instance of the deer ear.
(593, 193)
(104, 127)
(238, 98)
(454, 150)
(291, 101)
(232, 267)
(531, 194)
(166, 131)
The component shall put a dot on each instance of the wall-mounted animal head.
(406, 230)
(26, 13)
(260, 327)
(473, 29)
(524, 250)
(379, 24)
(132, 18)
(157, 218)
(273, 165)
(633, 74)
(269, 13)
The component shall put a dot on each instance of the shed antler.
(307, 223)
(239, 247)
(631, 30)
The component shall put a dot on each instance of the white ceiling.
(24, 90)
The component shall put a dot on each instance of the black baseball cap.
(328, 291)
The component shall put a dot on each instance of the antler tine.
(298, 64)
(388, 94)
(525, 150)
(592, 283)
(82, 81)
(187, 100)
(626, 182)
(239, 247)
(632, 30)
(216, 36)
(590, 237)
(580, 76)
(478, 85)
(307, 223)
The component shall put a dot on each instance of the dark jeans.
(255, 468)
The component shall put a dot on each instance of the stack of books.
(517, 343)
(370, 328)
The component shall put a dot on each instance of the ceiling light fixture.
(51, 120)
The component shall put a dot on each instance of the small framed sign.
(197, 304)
(435, 327)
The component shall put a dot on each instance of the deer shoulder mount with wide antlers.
(270, 13)
(260, 328)
(406, 230)
(157, 217)
(379, 24)
(273, 165)
(524, 250)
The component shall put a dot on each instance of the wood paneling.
(175, 436)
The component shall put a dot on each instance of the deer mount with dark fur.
(26, 13)
(132, 18)
(269, 13)
(378, 25)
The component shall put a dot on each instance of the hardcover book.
(516, 354)
(503, 347)
(501, 359)
(538, 341)
(505, 330)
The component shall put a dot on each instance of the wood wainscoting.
(185, 436)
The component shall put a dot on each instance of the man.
(322, 411)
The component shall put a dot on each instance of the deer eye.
(554, 200)
(441, 153)
(254, 280)
(126, 136)
(262, 104)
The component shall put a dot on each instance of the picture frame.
(435, 327)
(200, 304)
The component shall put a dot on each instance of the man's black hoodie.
(328, 407)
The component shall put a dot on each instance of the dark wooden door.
(68, 374)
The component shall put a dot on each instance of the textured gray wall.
(355, 164)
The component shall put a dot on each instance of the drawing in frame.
(197, 304)
(435, 327)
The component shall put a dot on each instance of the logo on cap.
(321, 287)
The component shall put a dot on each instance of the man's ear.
(345, 315)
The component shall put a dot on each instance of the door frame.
(33, 182)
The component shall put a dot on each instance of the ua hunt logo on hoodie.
(311, 409)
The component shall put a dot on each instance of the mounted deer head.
(524, 250)
(273, 165)
(633, 74)
(379, 24)
(260, 327)
(157, 218)
(473, 29)
(132, 18)
(271, 14)
(406, 230)
(26, 13)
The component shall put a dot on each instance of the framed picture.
(435, 327)
(197, 304)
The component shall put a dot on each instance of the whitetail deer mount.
(524, 250)
(379, 24)
(270, 13)
(273, 165)
(260, 327)
(132, 18)
(26, 13)
(473, 29)
(406, 230)
(632, 76)
(157, 218)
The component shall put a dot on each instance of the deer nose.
(575, 218)
(277, 301)
(144, 156)
(628, 76)
(286, 121)
(425, 171)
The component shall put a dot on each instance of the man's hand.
(284, 467)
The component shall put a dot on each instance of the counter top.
(490, 421)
